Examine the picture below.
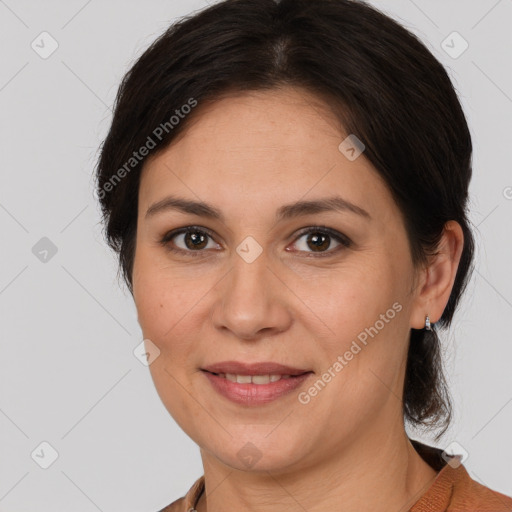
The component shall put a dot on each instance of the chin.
(257, 454)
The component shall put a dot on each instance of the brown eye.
(191, 240)
(320, 240)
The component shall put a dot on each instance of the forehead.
(278, 146)
(287, 119)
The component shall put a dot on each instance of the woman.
(286, 185)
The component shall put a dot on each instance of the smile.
(254, 390)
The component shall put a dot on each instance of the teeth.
(260, 379)
(253, 379)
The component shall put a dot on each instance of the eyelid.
(169, 235)
(323, 229)
(342, 239)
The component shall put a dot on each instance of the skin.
(346, 449)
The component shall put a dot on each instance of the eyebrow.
(289, 211)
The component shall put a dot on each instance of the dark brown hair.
(382, 83)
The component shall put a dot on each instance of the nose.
(252, 300)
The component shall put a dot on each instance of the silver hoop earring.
(427, 323)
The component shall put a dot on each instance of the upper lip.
(262, 368)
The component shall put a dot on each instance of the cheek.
(363, 371)
(172, 310)
(166, 318)
(161, 298)
(347, 300)
(361, 317)
(170, 385)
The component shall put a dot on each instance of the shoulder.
(186, 503)
(176, 506)
(468, 494)
(453, 489)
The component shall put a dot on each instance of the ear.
(436, 280)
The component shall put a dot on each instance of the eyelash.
(342, 239)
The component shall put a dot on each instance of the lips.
(248, 393)
(262, 368)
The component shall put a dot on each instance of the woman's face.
(253, 287)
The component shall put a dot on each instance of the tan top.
(453, 490)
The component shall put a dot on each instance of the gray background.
(68, 330)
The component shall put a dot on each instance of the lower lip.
(255, 394)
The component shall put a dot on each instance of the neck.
(382, 473)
